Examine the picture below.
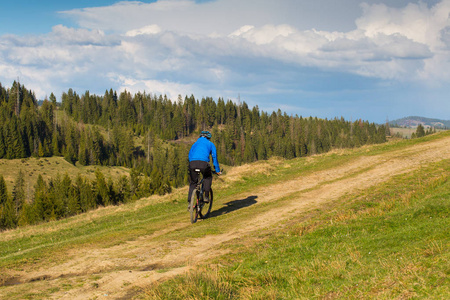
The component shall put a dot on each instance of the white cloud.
(77, 36)
(241, 31)
(399, 43)
(219, 16)
(149, 29)
(265, 35)
(417, 22)
(423, 25)
(263, 46)
(127, 16)
(170, 89)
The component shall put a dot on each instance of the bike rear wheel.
(193, 210)
(206, 209)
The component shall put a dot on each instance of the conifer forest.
(149, 134)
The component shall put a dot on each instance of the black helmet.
(206, 134)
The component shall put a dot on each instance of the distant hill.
(414, 121)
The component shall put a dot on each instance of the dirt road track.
(126, 268)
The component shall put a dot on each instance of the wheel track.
(135, 265)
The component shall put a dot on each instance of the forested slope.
(151, 135)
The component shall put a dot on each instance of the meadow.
(367, 223)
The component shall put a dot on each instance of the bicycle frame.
(199, 190)
(198, 204)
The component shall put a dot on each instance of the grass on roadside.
(389, 242)
(288, 260)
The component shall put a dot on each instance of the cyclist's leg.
(193, 178)
(207, 180)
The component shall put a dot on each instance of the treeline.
(152, 133)
(31, 131)
(104, 130)
(62, 197)
(241, 134)
(420, 131)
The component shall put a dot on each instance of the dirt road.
(127, 269)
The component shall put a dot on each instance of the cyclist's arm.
(214, 157)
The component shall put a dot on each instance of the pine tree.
(123, 189)
(52, 99)
(40, 205)
(111, 191)
(13, 140)
(86, 192)
(8, 217)
(170, 165)
(420, 131)
(70, 155)
(55, 143)
(19, 192)
(64, 191)
(387, 128)
(50, 206)
(2, 145)
(41, 152)
(145, 186)
(25, 215)
(3, 191)
(261, 153)
(156, 181)
(101, 189)
(73, 202)
(82, 151)
(134, 182)
(59, 194)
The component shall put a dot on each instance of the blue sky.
(372, 59)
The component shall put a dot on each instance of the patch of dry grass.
(50, 167)
(265, 167)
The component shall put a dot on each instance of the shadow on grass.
(234, 205)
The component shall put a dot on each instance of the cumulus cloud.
(417, 22)
(170, 89)
(388, 42)
(424, 26)
(219, 16)
(265, 35)
(262, 46)
(149, 29)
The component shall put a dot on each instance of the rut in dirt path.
(135, 265)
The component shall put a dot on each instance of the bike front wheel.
(206, 208)
(193, 209)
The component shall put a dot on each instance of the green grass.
(401, 144)
(34, 243)
(407, 132)
(390, 242)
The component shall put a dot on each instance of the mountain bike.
(197, 207)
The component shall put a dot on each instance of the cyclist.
(199, 159)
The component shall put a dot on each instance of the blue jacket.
(201, 150)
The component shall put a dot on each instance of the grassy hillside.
(50, 167)
(406, 132)
(388, 242)
(371, 223)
